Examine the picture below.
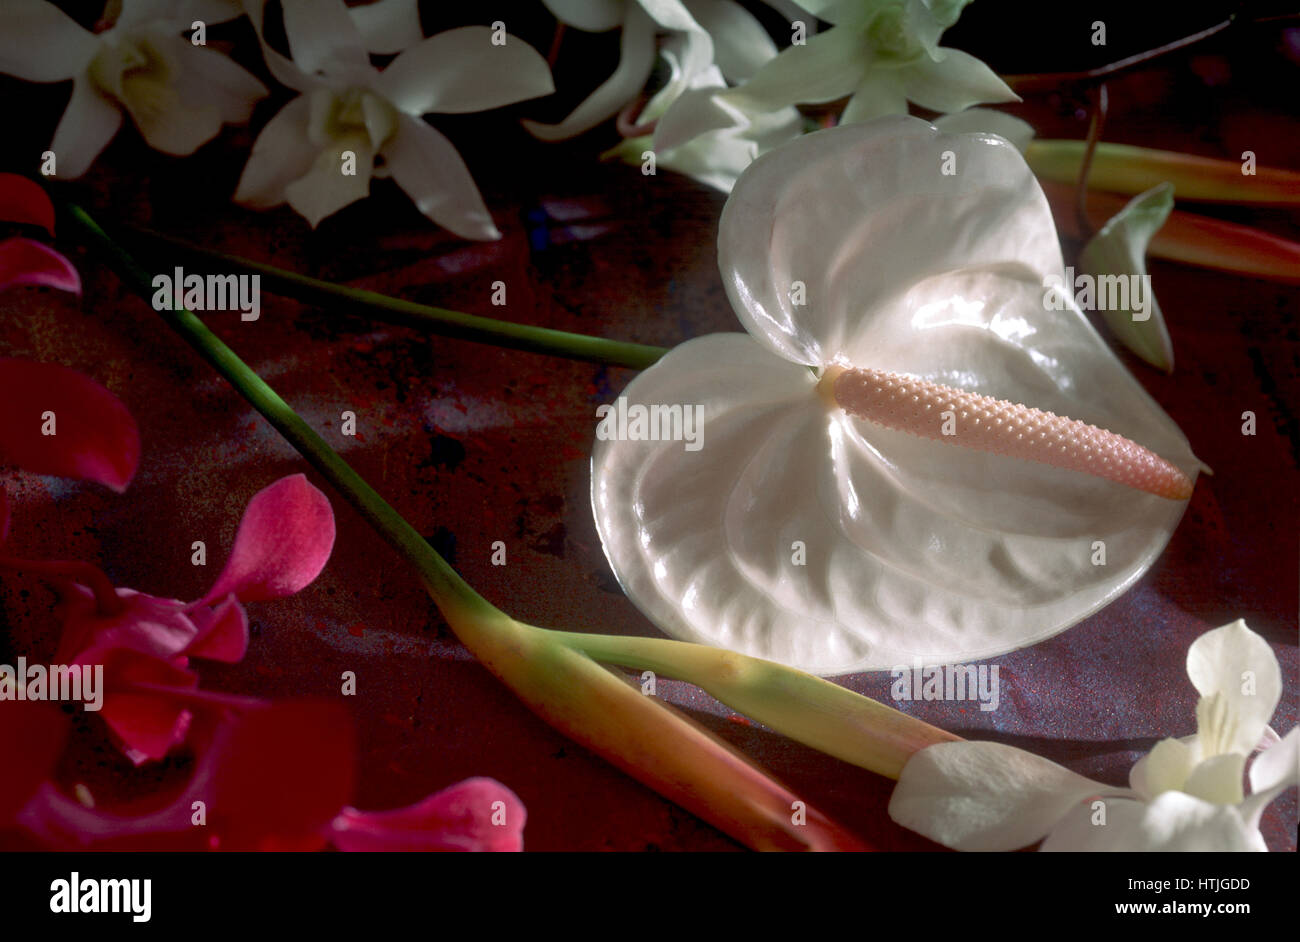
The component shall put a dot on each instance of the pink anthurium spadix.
(818, 524)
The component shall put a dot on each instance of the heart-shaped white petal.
(799, 534)
(986, 796)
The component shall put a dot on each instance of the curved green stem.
(435, 320)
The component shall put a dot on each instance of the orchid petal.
(910, 547)
(1119, 249)
(695, 113)
(694, 46)
(147, 723)
(1172, 822)
(283, 543)
(41, 43)
(282, 153)
(25, 262)
(478, 814)
(323, 39)
(637, 57)
(221, 633)
(24, 201)
(177, 14)
(989, 120)
(388, 26)
(881, 93)
(1237, 675)
(954, 83)
(32, 735)
(88, 124)
(324, 190)
(740, 43)
(285, 70)
(984, 796)
(1218, 779)
(147, 624)
(95, 438)
(426, 166)
(462, 71)
(592, 16)
(829, 66)
(1164, 768)
(1274, 770)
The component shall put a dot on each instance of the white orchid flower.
(177, 94)
(880, 53)
(1185, 794)
(796, 531)
(347, 105)
(640, 21)
(715, 158)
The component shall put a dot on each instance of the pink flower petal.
(478, 814)
(283, 543)
(26, 262)
(147, 723)
(25, 201)
(32, 734)
(222, 632)
(95, 438)
(148, 624)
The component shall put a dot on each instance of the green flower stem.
(435, 320)
(813, 711)
(641, 735)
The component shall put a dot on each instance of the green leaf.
(1119, 249)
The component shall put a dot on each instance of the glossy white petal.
(880, 94)
(41, 43)
(88, 124)
(740, 43)
(1173, 822)
(914, 548)
(953, 83)
(593, 16)
(984, 796)
(388, 26)
(989, 120)
(427, 167)
(1274, 770)
(282, 153)
(1237, 675)
(461, 71)
(636, 61)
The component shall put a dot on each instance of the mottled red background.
(475, 444)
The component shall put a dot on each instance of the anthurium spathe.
(353, 121)
(178, 94)
(1186, 794)
(803, 532)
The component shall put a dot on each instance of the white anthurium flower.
(791, 528)
(641, 21)
(349, 106)
(715, 158)
(1185, 794)
(880, 53)
(177, 94)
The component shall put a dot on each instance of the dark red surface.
(475, 444)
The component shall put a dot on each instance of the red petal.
(148, 624)
(283, 543)
(479, 814)
(24, 262)
(223, 632)
(147, 723)
(25, 201)
(280, 776)
(96, 439)
(31, 740)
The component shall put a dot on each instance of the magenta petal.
(283, 543)
(25, 262)
(147, 624)
(478, 814)
(147, 722)
(222, 632)
(25, 201)
(95, 437)
(32, 734)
